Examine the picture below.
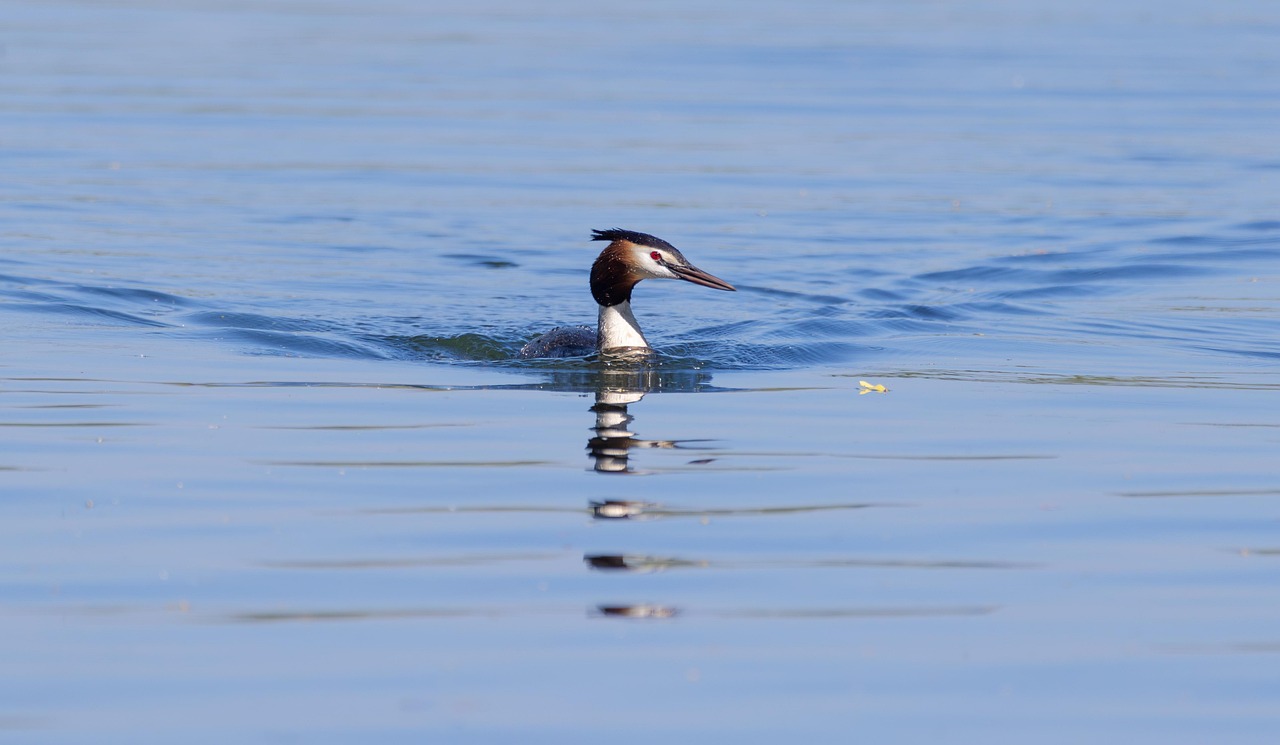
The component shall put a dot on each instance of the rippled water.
(270, 470)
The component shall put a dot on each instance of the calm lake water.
(270, 473)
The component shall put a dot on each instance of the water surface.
(271, 473)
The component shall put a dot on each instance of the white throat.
(619, 328)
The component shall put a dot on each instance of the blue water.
(269, 470)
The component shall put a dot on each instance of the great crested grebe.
(629, 258)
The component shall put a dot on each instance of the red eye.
(655, 256)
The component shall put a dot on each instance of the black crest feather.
(640, 239)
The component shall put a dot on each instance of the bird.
(630, 257)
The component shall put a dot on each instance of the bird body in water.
(629, 258)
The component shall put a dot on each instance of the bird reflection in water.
(640, 610)
(621, 509)
(638, 563)
(610, 449)
(613, 442)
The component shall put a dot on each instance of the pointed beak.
(698, 277)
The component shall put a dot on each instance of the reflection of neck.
(619, 328)
(612, 421)
(610, 446)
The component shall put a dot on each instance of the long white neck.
(619, 328)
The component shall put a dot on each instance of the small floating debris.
(865, 387)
